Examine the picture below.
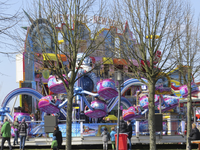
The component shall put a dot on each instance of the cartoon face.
(162, 82)
(86, 63)
(144, 101)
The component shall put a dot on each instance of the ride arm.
(114, 102)
(63, 112)
(110, 102)
(144, 112)
(63, 103)
(9, 117)
(87, 103)
(36, 129)
(90, 93)
(166, 105)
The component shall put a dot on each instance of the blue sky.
(8, 65)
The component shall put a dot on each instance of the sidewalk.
(100, 147)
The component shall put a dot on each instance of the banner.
(89, 129)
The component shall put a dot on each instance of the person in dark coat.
(23, 133)
(58, 135)
(129, 131)
(194, 134)
(122, 126)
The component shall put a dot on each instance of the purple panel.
(146, 103)
(132, 113)
(100, 109)
(106, 89)
(44, 105)
(56, 85)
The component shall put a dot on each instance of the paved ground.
(100, 147)
(95, 143)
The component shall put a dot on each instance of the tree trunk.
(151, 117)
(189, 108)
(69, 119)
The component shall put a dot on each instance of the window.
(130, 69)
(48, 63)
(106, 70)
(128, 92)
(119, 67)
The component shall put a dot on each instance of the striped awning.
(107, 60)
(52, 57)
(119, 61)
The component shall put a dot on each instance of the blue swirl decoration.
(51, 82)
(97, 105)
(106, 84)
(98, 86)
(182, 91)
(172, 101)
(144, 102)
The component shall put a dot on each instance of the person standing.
(22, 132)
(6, 134)
(112, 136)
(16, 126)
(130, 130)
(57, 133)
(103, 120)
(122, 126)
(108, 120)
(105, 138)
(194, 134)
(54, 144)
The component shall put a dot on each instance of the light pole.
(119, 79)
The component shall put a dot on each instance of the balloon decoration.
(45, 73)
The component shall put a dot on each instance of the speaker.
(26, 85)
(27, 99)
(49, 123)
(158, 122)
(82, 116)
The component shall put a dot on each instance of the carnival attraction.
(95, 92)
(103, 101)
(98, 108)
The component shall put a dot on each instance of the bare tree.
(186, 53)
(8, 21)
(154, 25)
(7, 24)
(68, 21)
